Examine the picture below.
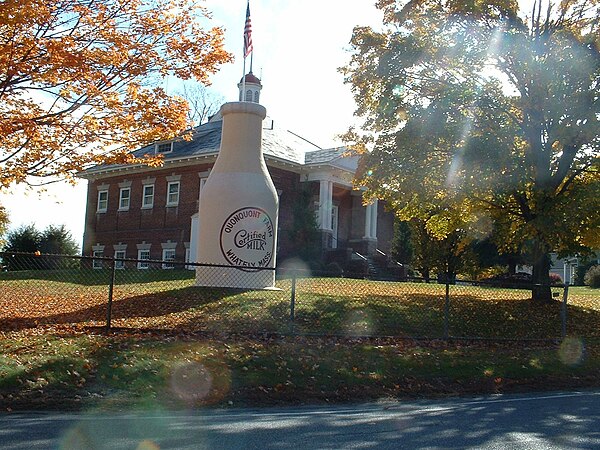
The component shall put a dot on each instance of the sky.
(298, 47)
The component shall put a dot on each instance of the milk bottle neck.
(241, 138)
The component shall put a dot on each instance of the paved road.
(543, 421)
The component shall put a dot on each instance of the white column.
(373, 234)
(368, 221)
(325, 204)
(322, 203)
(329, 204)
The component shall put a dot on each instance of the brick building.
(139, 212)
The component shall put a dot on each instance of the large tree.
(80, 80)
(58, 240)
(4, 221)
(487, 117)
(53, 240)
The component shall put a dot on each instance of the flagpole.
(247, 49)
(243, 96)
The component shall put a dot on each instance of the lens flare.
(358, 323)
(571, 351)
(76, 438)
(295, 265)
(147, 445)
(191, 381)
(205, 383)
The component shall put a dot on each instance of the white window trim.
(203, 181)
(168, 247)
(187, 258)
(98, 209)
(143, 265)
(121, 191)
(150, 205)
(158, 144)
(165, 258)
(121, 255)
(98, 263)
(188, 255)
(169, 184)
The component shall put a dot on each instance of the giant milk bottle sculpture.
(238, 206)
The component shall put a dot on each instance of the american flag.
(248, 33)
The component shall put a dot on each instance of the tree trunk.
(512, 266)
(426, 275)
(540, 291)
(451, 277)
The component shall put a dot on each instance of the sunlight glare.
(296, 265)
(571, 351)
(458, 159)
(358, 323)
(148, 445)
(191, 381)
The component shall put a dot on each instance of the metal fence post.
(447, 311)
(563, 311)
(293, 301)
(113, 271)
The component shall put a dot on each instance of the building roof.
(324, 156)
(206, 139)
(277, 143)
(338, 157)
(250, 78)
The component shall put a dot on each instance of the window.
(173, 193)
(143, 255)
(102, 201)
(124, 199)
(164, 147)
(148, 196)
(168, 255)
(97, 263)
(188, 254)
(203, 179)
(120, 254)
(248, 95)
(202, 183)
(256, 94)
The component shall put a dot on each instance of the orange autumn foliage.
(79, 80)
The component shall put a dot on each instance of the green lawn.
(176, 345)
(168, 300)
(165, 371)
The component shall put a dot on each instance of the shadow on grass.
(419, 316)
(518, 319)
(98, 277)
(152, 373)
(141, 306)
(422, 315)
(115, 372)
(403, 314)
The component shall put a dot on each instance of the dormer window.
(164, 147)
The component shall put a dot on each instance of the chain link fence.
(54, 291)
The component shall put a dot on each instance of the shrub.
(592, 277)
(555, 279)
(582, 269)
(333, 269)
